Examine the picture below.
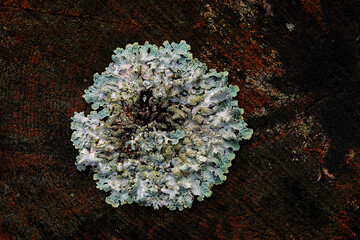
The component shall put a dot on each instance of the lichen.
(164, 129)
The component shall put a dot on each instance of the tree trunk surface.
(296, 64)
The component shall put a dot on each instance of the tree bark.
(296, 64)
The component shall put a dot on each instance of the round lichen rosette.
(163, 130)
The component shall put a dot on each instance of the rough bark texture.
(297, 178)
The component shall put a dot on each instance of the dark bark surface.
(296, 64)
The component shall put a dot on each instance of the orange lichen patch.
(242, 44)
(343, 220)
(319, 149)
(313, 7)
(344, 223)
(11, 3)
(255, 101)
(242, 50)
(250, 55)
(350, 183)
(345, 198)
(350, 156)
(246, 53)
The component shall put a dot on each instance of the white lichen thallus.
(163, 130)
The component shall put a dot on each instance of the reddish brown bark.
(297, 178)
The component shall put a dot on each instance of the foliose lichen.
(164, 129)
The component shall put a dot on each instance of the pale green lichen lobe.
(163, 130)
